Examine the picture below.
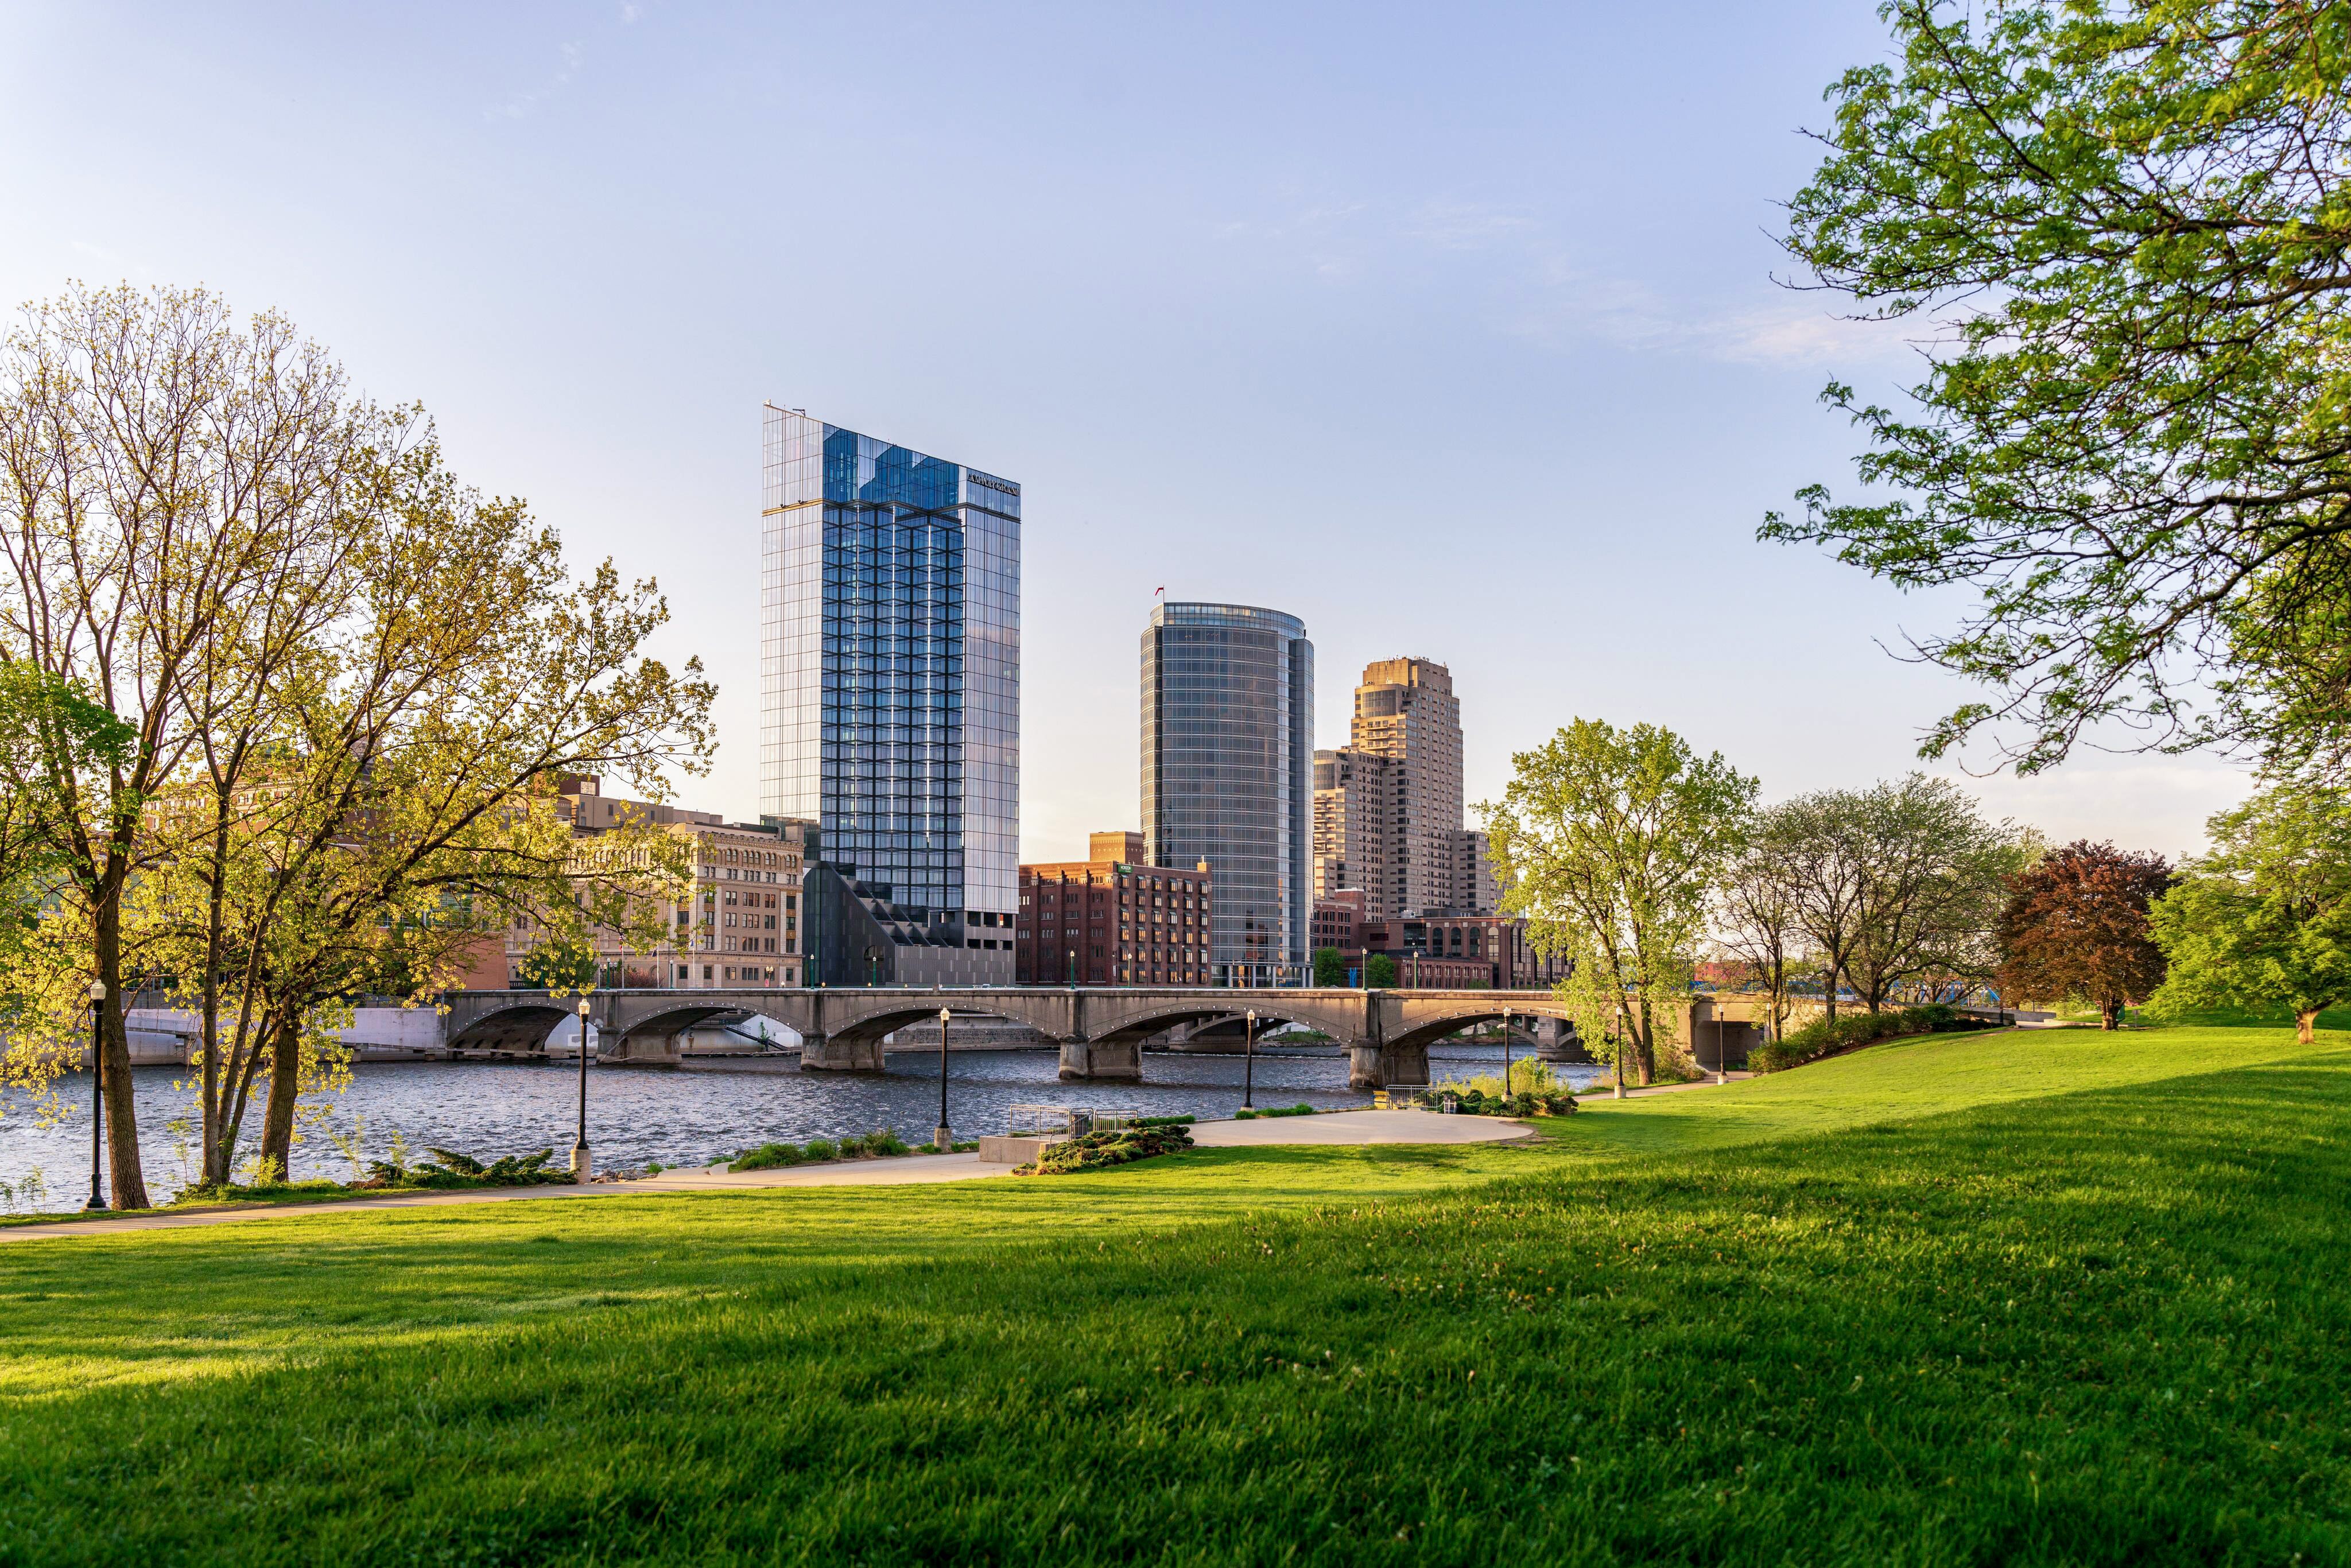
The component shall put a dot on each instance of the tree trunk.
(1828, 991)
(285, 1084)
(2110, 1015)
(127, 1182)
(2305, 1021)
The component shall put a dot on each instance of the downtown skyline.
(1510, 392)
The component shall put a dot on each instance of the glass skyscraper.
(890, 669)
(1229, 777)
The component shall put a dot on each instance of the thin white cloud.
(1789, 329)
(568, 58)
(1465, 225)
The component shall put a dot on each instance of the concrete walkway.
(1358, 1127)
(1337, 1128)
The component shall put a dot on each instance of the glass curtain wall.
(1229, 777)
(890, 668)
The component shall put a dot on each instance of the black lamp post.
(1249, 1059)
(873, 966)
(580, 1145)
(1073, 965)
(97, 1203)
(942, 1137)
(1506, 1056)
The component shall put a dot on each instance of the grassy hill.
(2053, 1297)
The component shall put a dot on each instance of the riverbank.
(1354, 1128)
(639, 1116)
(2050, 1296)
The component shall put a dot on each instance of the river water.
(674, 1115)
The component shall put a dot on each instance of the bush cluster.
(771, 1156)
(1820, 1038)
(448, 1168)
(1477, 1102)
(1300, 1109)
(1094, 1151)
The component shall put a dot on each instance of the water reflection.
(679, 1115)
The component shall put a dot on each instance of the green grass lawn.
(2059, 1296)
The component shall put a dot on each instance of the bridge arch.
(522, 1024)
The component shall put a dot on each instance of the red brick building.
(1469, 949)
(1339, 922)
(1112, 922)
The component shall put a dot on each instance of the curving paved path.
(1336, 1128)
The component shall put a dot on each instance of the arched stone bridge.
(1387, 1033)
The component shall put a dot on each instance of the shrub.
(1484, 1097)
(1094, 1150)
(1820, 1038)
(852, 1146)
(822, 1149)
(1300, 1109)
(768, 1158)
(885, 1142)
(448, 1168)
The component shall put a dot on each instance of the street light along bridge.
(1101, 1030)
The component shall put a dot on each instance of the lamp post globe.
(579, 1163)
(1249, 1059)
(942, 1137)
(97, 1097)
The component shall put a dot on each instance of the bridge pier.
(639, 1051)
(1086, 1059)
(1374, 1065)
(831, 1053)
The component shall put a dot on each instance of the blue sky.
(1453, 330)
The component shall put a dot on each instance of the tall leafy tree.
(2122, 235)
(1608, 841)
(2076, 927)
(1933, 874)
(2264, 920)
(350, 686)
(1756, 918)
(160, 468)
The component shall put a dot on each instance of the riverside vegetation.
(2055, 1295)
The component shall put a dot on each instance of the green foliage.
(1379, 972)
(1828, 1037)
(1096, 1151)
(884, 1142)
(560, 961)
(1330, 967)
(2117, 232)
(2265, 918)
(450, 1169)
(1608, 841)
(767, 1157)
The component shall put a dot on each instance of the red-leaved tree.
(2075, 928)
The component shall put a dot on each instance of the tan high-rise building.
(1357, 806)
(1406, 714)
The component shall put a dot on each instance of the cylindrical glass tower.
(1229, 777)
